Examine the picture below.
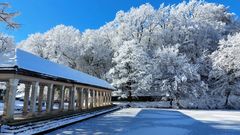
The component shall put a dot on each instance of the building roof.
(29, 63)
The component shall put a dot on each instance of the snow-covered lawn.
(146, 121)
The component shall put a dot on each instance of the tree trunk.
(227, 98)
(129, 96)
(171, 102)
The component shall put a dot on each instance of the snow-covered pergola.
(43, 78)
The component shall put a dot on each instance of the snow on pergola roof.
(23, 60)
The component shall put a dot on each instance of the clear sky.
(41, 15)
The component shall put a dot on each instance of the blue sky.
(41, 15)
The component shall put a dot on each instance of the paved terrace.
(137, 121)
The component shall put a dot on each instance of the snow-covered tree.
(61, 41)
(36, 44)
(225, 76)
(6, 43)
(175, 77)
(96, 53)
(131, 72)
(57, 44)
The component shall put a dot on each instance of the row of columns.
(78, 98)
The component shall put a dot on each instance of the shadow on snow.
(148, 121)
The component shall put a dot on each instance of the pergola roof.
(26, 63)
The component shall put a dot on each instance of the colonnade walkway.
(50, 88)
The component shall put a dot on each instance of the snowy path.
(136, 121)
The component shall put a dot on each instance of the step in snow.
(42, 126)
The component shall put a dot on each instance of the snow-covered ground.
(147, 121)
(41, 126)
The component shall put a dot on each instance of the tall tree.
(225, 75)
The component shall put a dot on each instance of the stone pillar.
(86, 99)
(82, 98)
(94, 98)
(107, 98)
(91, 98)
(95, 91)
(49, 98)
(74, 97)
(110, 98)
(26, 98)
(35, 87)
(79, 99)
(71, 98)
(9, 101)
(53, 95)
(40, 98)
(100, 98)
(104, 98)
(62, 92)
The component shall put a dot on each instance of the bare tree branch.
(6, 17)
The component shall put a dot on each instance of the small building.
(62, 88)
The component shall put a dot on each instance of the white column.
(9, 102)
(109, 94)
(107, 98)
(81, 98)
(62, 92)
(91, 98)
(86, 99)
(71, 98)
(26, 98)
(40, 98)
(97, 98)
(94, 98)
(49, 98)
(104, 98)
(110, 97)
(35, 87)
(100, 98)
(53, 95)
(74, 97)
